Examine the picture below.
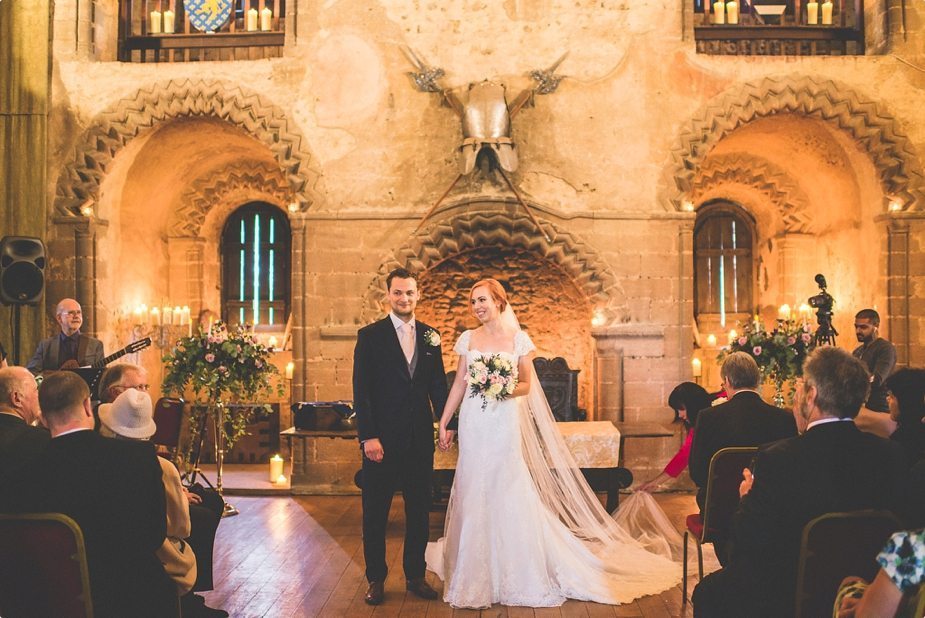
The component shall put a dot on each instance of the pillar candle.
(827, 13)
(167, 314)
(169, 19)
(733, 335)
(805, 312)
(276, 467)
(711, 341)
(732, 12)
(281, 479)
(290, 369)
(178, 316)
(251, 22)
(154, 26)
(272, 342)
(266, 19)
(812, 13)
(783, 312)
(155, 316)
(696, 367)
(719, 13)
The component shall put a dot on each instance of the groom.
(398, 384)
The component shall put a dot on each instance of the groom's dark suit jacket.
(832, 467)
(390, 403)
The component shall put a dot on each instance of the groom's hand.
(372, 448)
(446, 439)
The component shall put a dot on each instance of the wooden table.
(595, 445)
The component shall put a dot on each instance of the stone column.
(299, 226)
(85, 233)
(25, 91)
(618, 349)
(898, 285)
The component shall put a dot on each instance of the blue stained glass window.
(255, 266)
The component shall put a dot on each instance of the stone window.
(723, 238)
(255, 266)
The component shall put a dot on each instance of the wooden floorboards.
(303, 556)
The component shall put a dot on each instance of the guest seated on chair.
(893, 591)
(687, 400)
(205, 505)
(113, 490)
(131, 417)
(831, 467)
(905, 395)
(20, 442)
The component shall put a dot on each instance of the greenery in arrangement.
(779, 353)
(220, 367)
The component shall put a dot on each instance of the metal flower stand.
(218, 420)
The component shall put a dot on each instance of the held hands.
(372, 448)
(445, 438)
(748, 479)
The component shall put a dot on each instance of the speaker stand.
(16, 334)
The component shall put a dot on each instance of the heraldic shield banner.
(208, 15)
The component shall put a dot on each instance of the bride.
(522, 525)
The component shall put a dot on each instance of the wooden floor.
(303, 556)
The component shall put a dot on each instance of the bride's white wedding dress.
(518, 533)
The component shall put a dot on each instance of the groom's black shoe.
(375, 593)
(421, 588)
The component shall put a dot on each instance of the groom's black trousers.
(409, 471)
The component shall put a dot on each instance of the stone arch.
(768, 179)
(866, 121)
(239, 183)
(129, 117)
(481, 228)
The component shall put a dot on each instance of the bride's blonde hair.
(495, 289)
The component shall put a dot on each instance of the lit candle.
(719, 12)
(732, 12)
(178, 316)
(696, 367)
(271, 342)
(733, 335)
(155, 316)
(826, 13)
(167, 314)
(281, 479)
(154, 27)
(210, 325)
(168, 21)
(805, 312)
(276, 467)
(711, 341)
(290, 369)
(812, 13)
(266, 19)
(783, 312)
(251, 22)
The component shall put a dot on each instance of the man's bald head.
(19, 393)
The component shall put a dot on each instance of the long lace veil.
(563, 488)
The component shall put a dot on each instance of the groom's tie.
(407, 341)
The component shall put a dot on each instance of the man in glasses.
(70, 348)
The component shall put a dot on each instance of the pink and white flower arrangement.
(492, 377)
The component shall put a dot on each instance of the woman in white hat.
(131, 417)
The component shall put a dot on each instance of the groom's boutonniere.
(432, 338)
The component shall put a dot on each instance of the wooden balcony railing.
(792, 34)
(163, 31)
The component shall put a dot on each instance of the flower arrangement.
(492, 377)
(779, 353)
(218, 367)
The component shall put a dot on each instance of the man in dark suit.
(113, 490)
(399, 383)
(744, 420)
(832, 466)
(68, 349)
(20, 442)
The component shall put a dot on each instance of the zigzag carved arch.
(114, 128)
(866, 121)
(474, 230)
(765, 177)
(240, 183)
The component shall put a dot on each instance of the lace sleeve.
(462, 344)
(522, 344)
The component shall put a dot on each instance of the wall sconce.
(687, 206)
(293, 207)
(895, 206)
(599, 318)
(86, 209)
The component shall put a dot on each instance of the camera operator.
(877, 354)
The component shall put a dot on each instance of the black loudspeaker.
(22, 270)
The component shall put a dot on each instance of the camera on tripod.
(823, 302)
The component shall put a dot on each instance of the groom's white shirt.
(398, 323)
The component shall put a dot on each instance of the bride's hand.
(445, 438)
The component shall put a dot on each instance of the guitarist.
(68, 349)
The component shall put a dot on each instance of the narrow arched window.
(255, 266)
(723, 269)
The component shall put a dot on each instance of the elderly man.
(20, 441)
(832, 466)
(68, 349)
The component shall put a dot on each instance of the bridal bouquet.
(492, 377)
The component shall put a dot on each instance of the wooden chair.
(44, 567)
(834, 546)
(720, 504)
(560, 384)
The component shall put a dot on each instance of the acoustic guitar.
(135, 346)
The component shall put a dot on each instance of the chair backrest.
(168, 416)
(43, 571)
(834, 546)
(560, 385)
(723, 482)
